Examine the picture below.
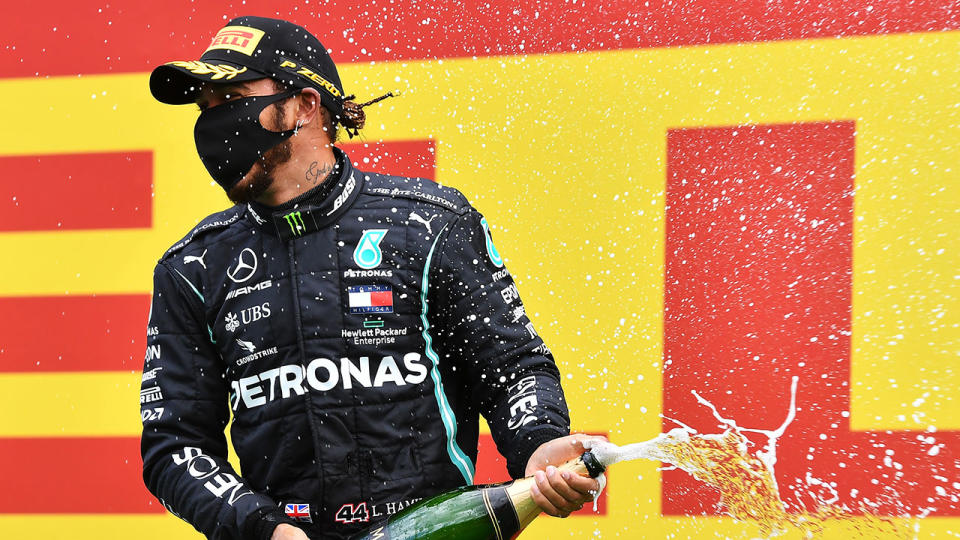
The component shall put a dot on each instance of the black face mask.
(230, 138)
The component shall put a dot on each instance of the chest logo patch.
(245, 268)
(370, 299)
(367, 255)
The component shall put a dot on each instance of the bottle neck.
(522, 499)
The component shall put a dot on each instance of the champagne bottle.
(494, 511)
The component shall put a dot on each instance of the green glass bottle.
(494, 512)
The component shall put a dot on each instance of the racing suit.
(356, 334)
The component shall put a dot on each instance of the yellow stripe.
(93, 526)
(74, 404)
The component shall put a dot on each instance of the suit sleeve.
(514, 380)
(183, 405)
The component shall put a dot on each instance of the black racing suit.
(356, 333)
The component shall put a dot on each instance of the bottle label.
(501, 512)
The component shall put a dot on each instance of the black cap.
(250, 48)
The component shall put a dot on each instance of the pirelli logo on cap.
(242, 39)
(308, 74)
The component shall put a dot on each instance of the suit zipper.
(311, 421)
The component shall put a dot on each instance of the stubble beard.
(261, 176)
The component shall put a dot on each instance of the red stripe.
(73, 333)
(77, 191)
(69, 37)
(400, 158)
(73, 475)
(381, 298)
(758, 289)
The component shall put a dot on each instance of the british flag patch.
(299, 512)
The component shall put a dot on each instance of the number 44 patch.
(349, 513)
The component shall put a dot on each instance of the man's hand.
(285, 531)
(558, 493)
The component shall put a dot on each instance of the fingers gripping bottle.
(494, 512)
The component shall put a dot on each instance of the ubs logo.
(245, 268)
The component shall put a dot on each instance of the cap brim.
(178, 83)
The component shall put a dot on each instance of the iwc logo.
(367, 255)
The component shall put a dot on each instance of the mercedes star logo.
(246, 266)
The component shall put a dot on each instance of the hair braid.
(354, 118)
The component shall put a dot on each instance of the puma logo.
(426, 223)
(187, 259)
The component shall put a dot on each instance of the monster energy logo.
(295, 221)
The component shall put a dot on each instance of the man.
(356, 324)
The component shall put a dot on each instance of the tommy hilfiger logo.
(370, 299)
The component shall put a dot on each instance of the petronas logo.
(367, 255)
(295, 221)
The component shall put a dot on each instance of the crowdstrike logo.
(254, 353)
(323, 375)
(246, 345)
(245, 268)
